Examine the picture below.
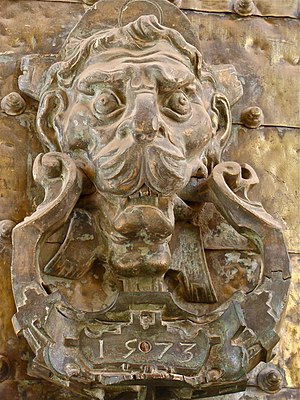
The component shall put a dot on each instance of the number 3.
(187, 351)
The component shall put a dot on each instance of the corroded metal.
(244, 7)
(288, 8)
(270, 380)
(279, 144)
(13, 104)
(4, 368)
(252, 117)
(262, 60)
(133, 125)
(6, 227)
(225, 263)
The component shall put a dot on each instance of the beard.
(123, 166)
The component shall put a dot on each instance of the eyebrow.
(86, 83)
(164, 80)
(167, 82)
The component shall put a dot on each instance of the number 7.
(167, 347)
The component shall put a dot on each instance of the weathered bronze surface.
(288, 8)
(147, 269)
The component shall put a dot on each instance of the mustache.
(125, 166)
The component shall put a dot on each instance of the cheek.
(82, 130)
(76, 128)
(197, 132)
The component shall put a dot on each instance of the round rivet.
(244, 7)
(4, 368)
(6, 227)
(270, 380)
(252, 117)
(145, 347)
(13, 104)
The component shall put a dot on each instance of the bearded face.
(139, 120)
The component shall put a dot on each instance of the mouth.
(145, 213)
(147, 196)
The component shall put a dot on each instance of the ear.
(49, 117)
(222, 123)
(220, 105)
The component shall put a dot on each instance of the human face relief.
(140, 117)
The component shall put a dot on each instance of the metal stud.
(244, 7)
(252, 117)
(270, 380)
(13, 104)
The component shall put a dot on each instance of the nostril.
(150, 137)
(161, 130)
(140, 136)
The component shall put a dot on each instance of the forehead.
(160, 62)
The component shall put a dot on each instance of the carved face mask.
(131, 114)
(139, 117)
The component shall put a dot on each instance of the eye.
(106, 103)
(178, 106)
(179, 103)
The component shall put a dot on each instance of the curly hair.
(145, 31)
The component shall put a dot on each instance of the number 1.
(101, 349)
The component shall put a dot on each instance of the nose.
(145, 121)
